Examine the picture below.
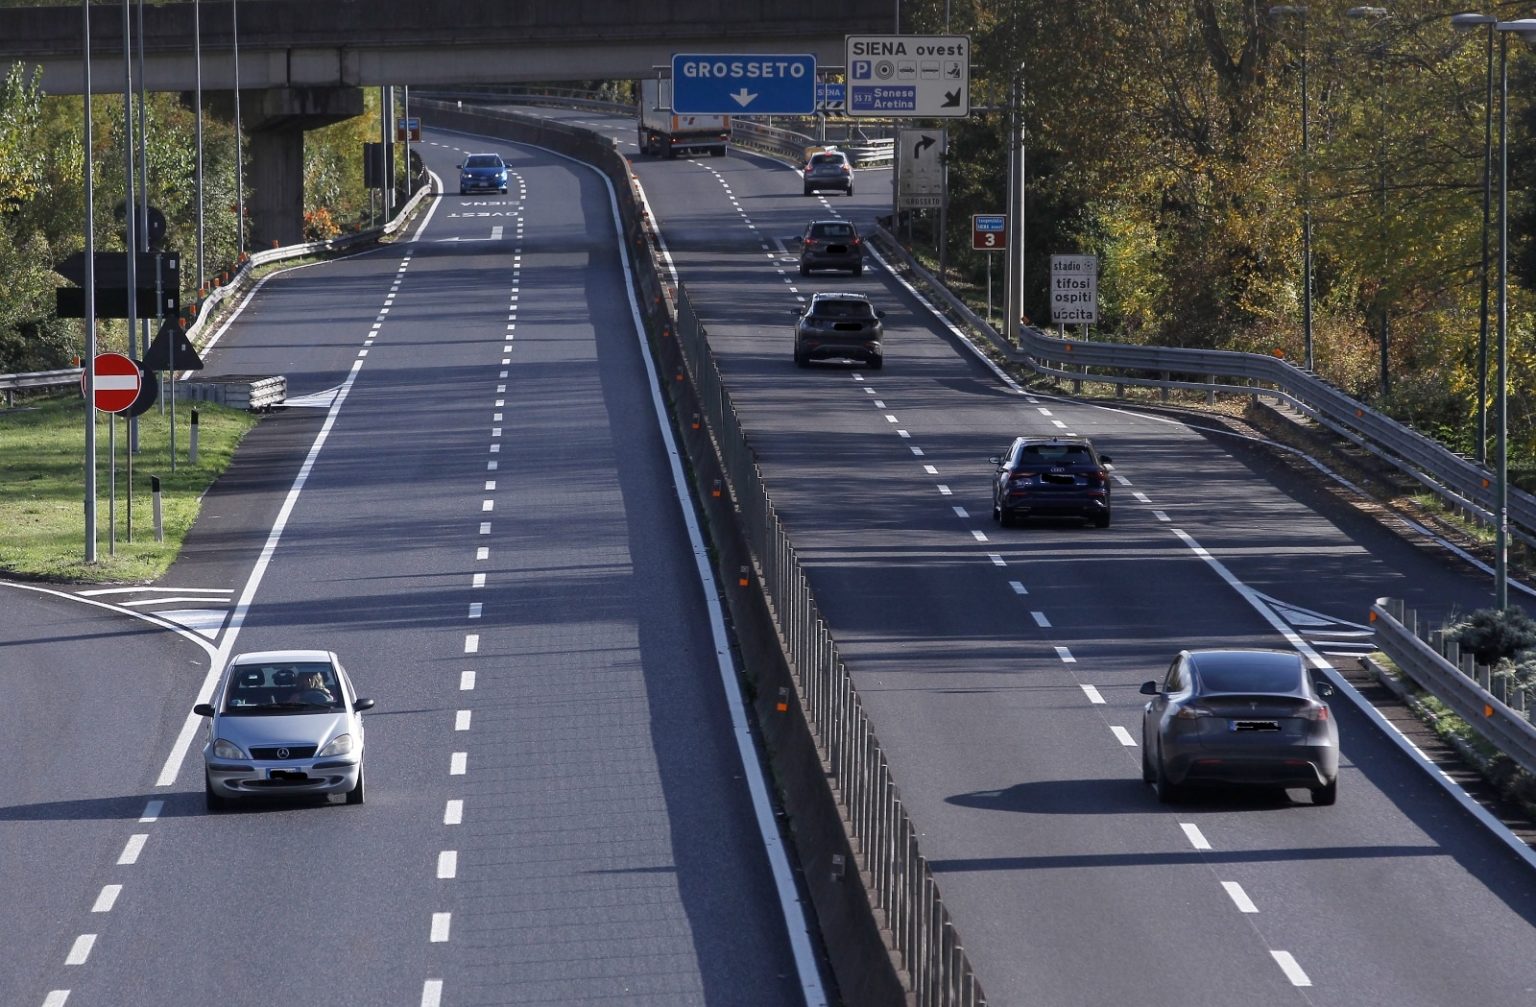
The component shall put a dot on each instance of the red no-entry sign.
(117, 382)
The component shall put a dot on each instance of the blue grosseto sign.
(743, 84)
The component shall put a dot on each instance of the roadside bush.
(1495, 635)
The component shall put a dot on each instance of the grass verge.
(42, 488)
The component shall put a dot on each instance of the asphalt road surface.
(475, 509)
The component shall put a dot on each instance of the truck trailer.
(664, 133)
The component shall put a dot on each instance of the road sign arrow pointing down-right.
(744, 97)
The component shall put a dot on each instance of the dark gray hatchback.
(831, 244)
(839, 326)
(1239, 716)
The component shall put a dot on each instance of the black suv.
(831, 244)
(839, 326)
(1060, 476)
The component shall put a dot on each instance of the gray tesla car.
(1239, 716)
(283, 723)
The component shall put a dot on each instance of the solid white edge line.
(1319, 663)
(172, 767)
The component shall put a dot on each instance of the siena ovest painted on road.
(743, 83)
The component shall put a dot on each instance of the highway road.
(1000, 666)
(473, 503)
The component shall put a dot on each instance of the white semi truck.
(664, 133)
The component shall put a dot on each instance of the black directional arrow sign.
(952, 98)
(922, 145)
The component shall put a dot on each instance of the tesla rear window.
(1282, 675)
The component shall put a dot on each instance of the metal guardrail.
(251, 392)
(1491, 704)
(1459, 481)
(10, 384)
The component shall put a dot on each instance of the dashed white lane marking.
(943, 490)
(440, 925)
(903, 433)
(996, 559)
(917, 451)
(458, 765)
(478, 580)
(930, 470)
(890, 417)
(471, 643)
(1123, 736)
(879, 403)
(482, 553)
(81, 949)
(1122, 480)
(1058, 424)
(961, 512)
(475, 607)
(1018, 587)
(1240, 897)
(461, 720)
(1065, 655)
(466, 681)
(448, 864)
(1139, 495)
(107, 899)
(485, 527)
(488, 505)
(133, 848)
(152, 811)
(432, 993)
(453, 813)
(56, 998)
(490, 485)
(1161, 516)
(1292, 971)
(1093, 693)
(495, 431)
(1196, 837)
(1041, 620)
(980, 536)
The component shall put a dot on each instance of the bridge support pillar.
(276, 127)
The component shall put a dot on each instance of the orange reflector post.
(696, 421)
(714, 490)
(679, 375)
(783, 704)
(742, 579)
(1487, 710)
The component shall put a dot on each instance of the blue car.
(482, 172)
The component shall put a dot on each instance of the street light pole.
(1465, 23)
(1383, 312)
(1300, 12)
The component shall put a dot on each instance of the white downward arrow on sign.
(744, 97)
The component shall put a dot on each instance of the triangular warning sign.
(171, 350)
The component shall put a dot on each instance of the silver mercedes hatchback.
(283, 723)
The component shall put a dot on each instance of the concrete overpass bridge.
(302, 62)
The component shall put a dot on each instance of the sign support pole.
(90, 307)
(112, 486)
